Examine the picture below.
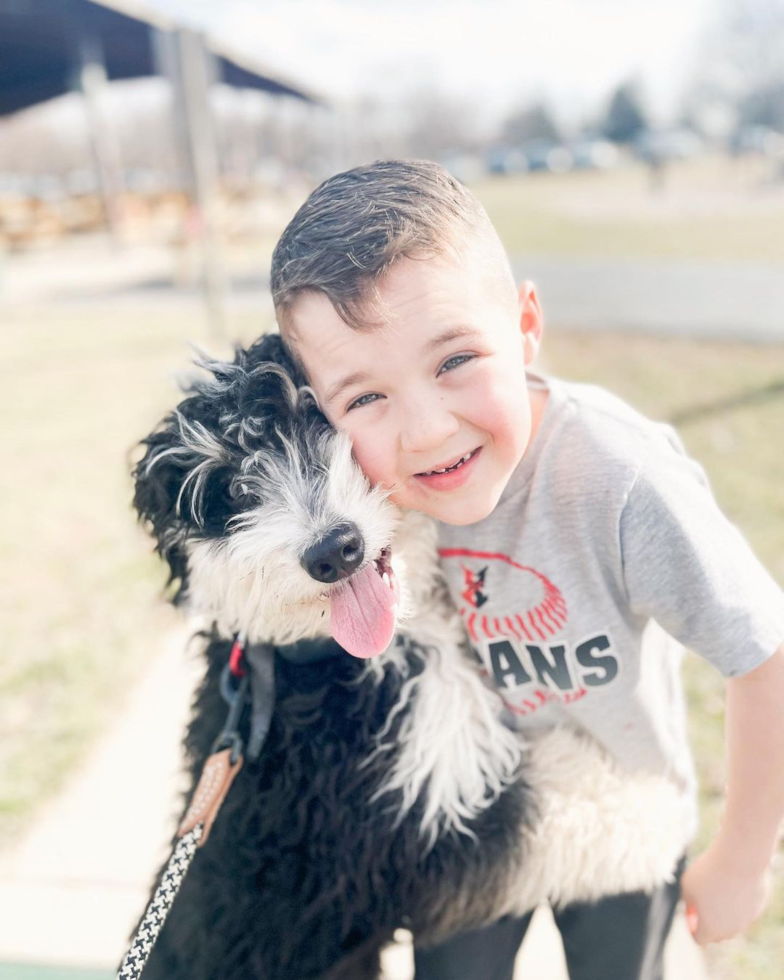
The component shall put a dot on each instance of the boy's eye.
(451, 363)
(363, 400)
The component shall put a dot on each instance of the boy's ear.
(531, 320)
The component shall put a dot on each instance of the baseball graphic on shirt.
(543, 615)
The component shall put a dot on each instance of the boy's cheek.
(373, 464)
(368, 450)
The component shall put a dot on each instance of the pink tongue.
(363, 614)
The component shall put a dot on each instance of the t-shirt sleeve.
(686, 566)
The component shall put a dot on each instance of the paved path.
(711, 300)
(70, 894)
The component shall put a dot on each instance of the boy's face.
(440, 381)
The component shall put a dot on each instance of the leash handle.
(216, 778)
(219, 771)
(158, 909)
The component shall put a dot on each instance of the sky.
(499, 54)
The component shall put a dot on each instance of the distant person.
(657, 169)
(570, 525)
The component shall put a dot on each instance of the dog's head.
(266, 522)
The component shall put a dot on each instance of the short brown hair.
(356, 224)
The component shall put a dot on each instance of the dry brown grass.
(708, 209)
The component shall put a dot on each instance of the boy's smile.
(434, 396)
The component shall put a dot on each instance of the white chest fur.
(600, 829)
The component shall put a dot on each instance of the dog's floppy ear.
(158, 480)
(182, 459)
(183, 482)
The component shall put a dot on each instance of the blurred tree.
(764, 106)
(740, 64)
(532, 123)
(625, 118)
(432, 124)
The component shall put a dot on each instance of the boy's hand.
(725, 898)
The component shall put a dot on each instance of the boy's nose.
(427, 427)
(336, 556)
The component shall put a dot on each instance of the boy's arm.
(728, 884)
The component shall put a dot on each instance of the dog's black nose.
(336, 556)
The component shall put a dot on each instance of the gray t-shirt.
(605, 554)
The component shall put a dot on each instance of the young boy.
(571, 527)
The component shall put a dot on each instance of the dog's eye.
(238, 495)
(224, 498)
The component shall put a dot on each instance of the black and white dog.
(389, 792)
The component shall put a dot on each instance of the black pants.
(617, 938)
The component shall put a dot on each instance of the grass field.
(708, 209)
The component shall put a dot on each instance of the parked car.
(594, 154)
(758, 139)
(506, 160)
(661, 145)
(546, 155)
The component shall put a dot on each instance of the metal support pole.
(92, 81)
(185, 59)
(166, 56)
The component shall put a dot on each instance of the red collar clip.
(237, 657)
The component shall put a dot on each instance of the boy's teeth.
(457, 465)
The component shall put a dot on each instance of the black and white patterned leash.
(222, 765)
(158, 909)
